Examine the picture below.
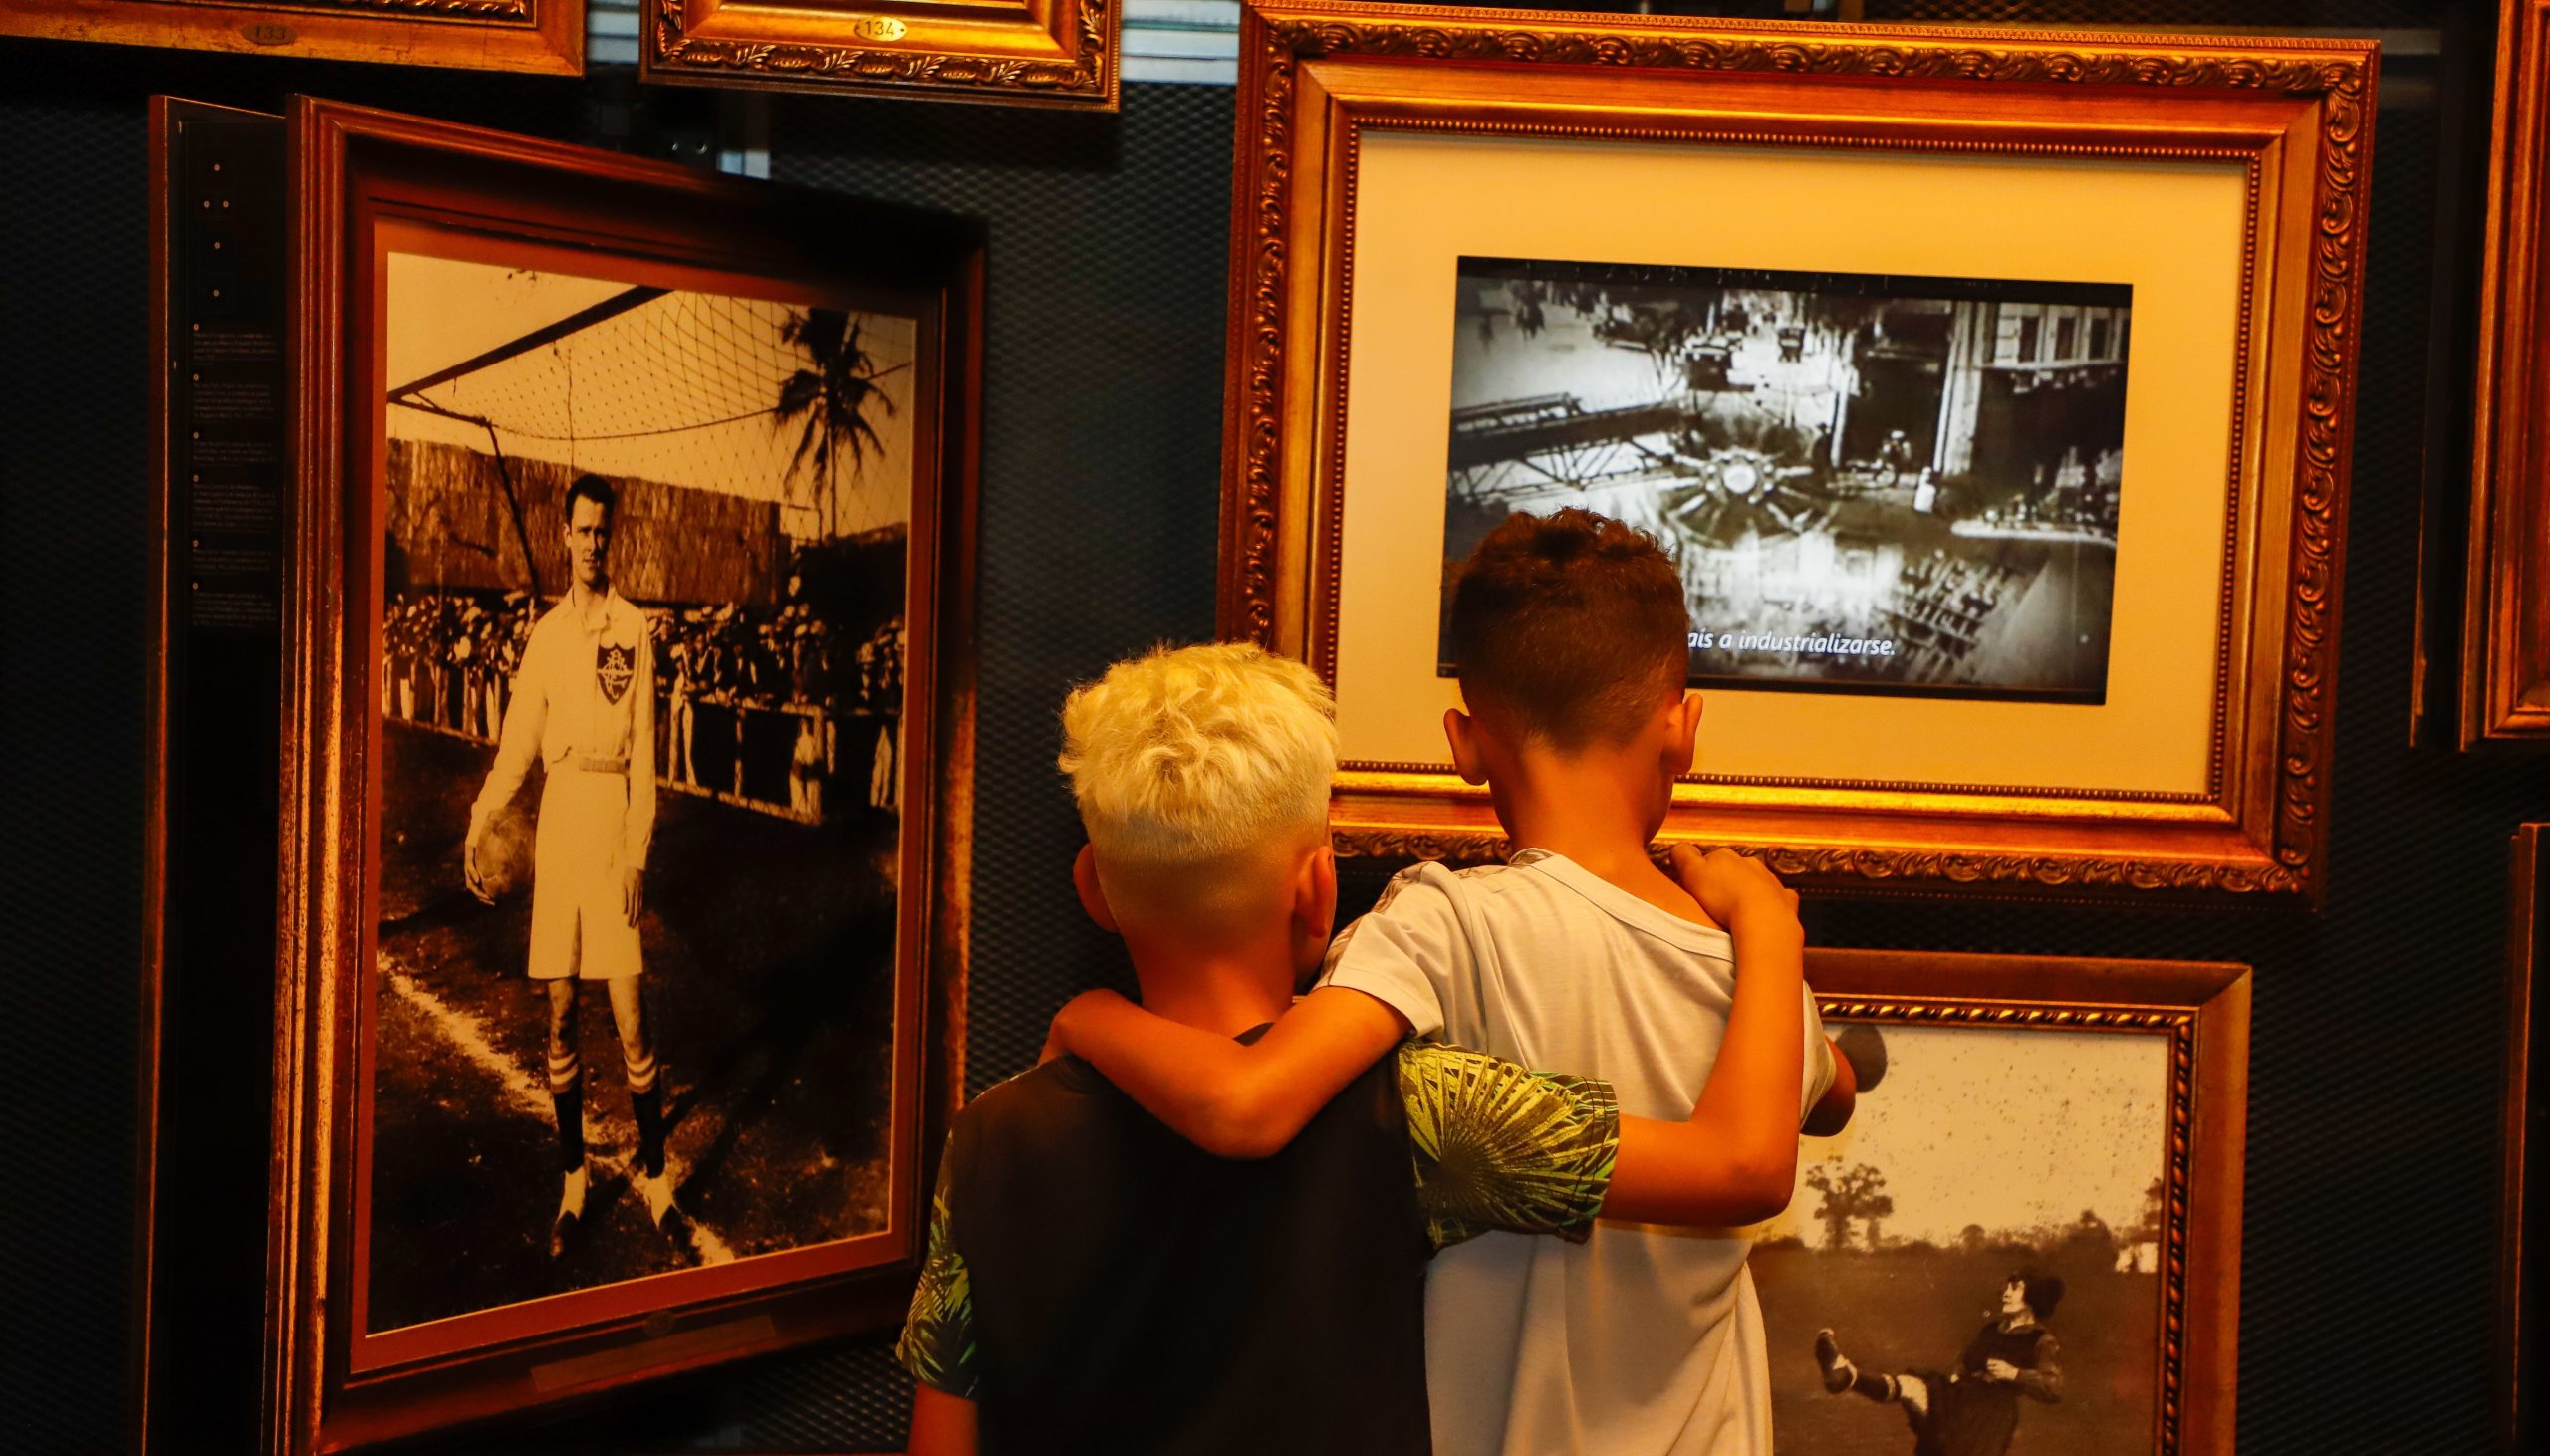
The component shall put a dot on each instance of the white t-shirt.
(1642, 1340)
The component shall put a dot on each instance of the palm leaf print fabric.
(939, 1335)
(1500, 1147)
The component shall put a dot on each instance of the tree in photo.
(1857, 1191)
(2140, 1245)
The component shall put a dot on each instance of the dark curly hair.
(1571, 626)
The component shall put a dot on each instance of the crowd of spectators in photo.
(774, 708)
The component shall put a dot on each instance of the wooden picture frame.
(2527, 1098)
(1053, 53)
(1375, 145)
(2192, 1069)
(391, 1309)
(2505, 634)
(543, 36)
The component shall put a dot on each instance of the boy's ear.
(1092, 897)
(1462, 732)
(1315, 892)
(1682, 743)
(1314, 912)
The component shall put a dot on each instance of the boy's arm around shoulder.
(1232, 1099)
(1249, 1101)
(1734, 1162)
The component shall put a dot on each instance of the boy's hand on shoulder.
(1737, 890)
(1058, 1034)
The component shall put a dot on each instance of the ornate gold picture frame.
(1953, 1177)
(1381, 146)
(483, 34)
(1056, 53)
(2505, 638)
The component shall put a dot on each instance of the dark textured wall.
(2368, 1280)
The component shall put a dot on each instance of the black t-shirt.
(1096, 1283)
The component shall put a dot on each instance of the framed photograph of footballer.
(2009, 540)
(628, 781)
(2031, 1226)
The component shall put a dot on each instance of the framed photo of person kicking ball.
(2031, 1226)
(2010, 531)
(626, 801)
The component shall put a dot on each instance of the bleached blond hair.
(1189, 755)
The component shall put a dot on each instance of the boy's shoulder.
(1535, 883)
(1442, 880)
(1031, 1103)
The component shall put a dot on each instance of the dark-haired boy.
(1571, 635)
(1972, 1410)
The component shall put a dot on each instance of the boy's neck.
(1583, 807)
(1221, 988)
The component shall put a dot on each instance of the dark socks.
(570, 1103)
(650, 1108)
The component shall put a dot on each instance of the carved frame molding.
(1057, 52)
(1291, 241)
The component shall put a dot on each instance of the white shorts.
(579, 913)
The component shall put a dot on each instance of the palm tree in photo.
(828, 398)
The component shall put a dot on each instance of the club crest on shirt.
(614, 667)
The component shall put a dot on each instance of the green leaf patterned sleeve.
(938, 1334)
(1500, 1147)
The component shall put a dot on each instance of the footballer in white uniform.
(583, 705)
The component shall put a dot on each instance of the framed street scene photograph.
(628, 783)
(2031, 1225)
(1768, 423)
(2010, 536)
(484, 35)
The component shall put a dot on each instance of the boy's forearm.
(1230, 1100)
(1749, 1104)
(1735, 1160)
(1189, 1079)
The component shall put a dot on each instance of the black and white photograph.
(642, 587)
(1973, 1266)
(1874, 484)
